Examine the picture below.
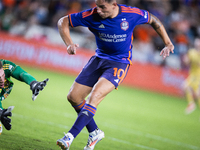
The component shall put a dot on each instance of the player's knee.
(72, 98)
(188, 89)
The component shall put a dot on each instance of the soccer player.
(192, 83)
(112, 24)
(7, 70)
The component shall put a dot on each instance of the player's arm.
(160, 29)
(63, 27)
(23, 76)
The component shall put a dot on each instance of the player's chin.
(103, 16)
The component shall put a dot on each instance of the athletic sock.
(91, 126)
(84, 117)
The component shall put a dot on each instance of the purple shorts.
(97, 67)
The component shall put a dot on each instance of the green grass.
(132, 119)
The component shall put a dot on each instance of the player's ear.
(114, 3)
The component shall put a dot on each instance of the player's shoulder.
(6, 61)
(130, 9)
(89, 12)
(8, 65)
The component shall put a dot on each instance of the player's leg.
(114, 75)
(189, 93)
(100, 90)
(76, 97)
(78, 101)
(98, 93)
(198, 94)
(78, 92)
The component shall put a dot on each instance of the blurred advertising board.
(55, 58)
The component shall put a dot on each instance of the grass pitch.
(132, 119)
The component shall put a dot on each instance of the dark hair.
(1, 65)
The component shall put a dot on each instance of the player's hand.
(71, 49)
(166, 50)
(4, 114)
(36, 87)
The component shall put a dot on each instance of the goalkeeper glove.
(4, 117)
(36, 86)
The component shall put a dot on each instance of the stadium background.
(138, 119)
(41, 46)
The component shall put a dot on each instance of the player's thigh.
(90, 73)
(99, 91)
(115, 72)
(196, 86)
(188, 83)
(78, 93)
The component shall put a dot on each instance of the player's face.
(104, 9)
(2, 78)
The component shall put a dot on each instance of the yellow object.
(1, 128)
(193, 79)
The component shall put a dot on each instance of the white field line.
(147, 135)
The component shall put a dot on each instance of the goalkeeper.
(9, 69)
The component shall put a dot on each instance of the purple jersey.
(113, 35)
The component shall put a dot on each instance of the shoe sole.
(61, 145)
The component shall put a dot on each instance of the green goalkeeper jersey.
(15, 71)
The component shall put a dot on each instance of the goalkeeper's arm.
(35, 86)
(22, 75)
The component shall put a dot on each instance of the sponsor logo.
(112, 37)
